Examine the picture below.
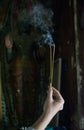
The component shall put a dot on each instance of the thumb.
(50, 92)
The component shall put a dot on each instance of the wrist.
(47, 117)
(42, 122)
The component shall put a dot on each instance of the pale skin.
(51, 107)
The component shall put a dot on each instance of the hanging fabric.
(0, 94)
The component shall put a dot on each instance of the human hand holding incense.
(54, 102)
(51, 107)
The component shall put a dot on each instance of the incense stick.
(50, 64)
(52, 54)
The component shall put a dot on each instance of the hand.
(54, 103)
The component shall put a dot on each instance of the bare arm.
(51, 107)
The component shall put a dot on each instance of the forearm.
(42, 122)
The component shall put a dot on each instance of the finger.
(56, 94)
(61, 108)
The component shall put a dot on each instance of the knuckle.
(62, 101)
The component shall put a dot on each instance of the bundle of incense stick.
(52, 54)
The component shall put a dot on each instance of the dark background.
(64, 37)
